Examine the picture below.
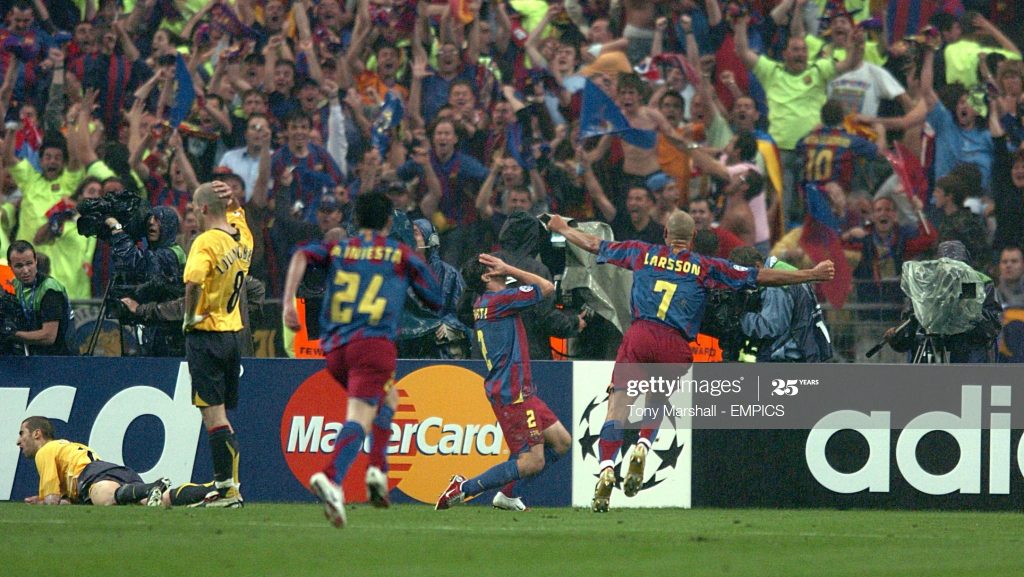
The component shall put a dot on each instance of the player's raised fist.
(824, 270)
(557, 224)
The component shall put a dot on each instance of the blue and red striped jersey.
(671, 287)
(367, 283)
(502, 338)
(828, 154)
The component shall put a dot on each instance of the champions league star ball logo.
(661, 460)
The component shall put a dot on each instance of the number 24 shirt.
(367, 284)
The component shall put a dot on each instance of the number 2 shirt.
(503, 343)
(368, 278)
(671, 287)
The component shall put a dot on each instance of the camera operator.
(789, 326)
(173, 311)
(972, 346)
(45, 307)
(521, 238)
(154, 274)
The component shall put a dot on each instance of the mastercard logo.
(443, 425)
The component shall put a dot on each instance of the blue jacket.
(161, 261)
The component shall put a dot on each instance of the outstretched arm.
(823, 271)
(587, 242)
(982, 23)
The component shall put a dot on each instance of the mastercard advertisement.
(443, 425)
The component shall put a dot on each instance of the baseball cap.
(329, 202)
(658, 181)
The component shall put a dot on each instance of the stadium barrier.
(962, 450)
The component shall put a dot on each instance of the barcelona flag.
(390, 116)
(225, 18)
(185, 96)
(820, 240)
(24, 48)
(600, 115)
(773, 169)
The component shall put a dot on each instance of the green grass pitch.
(295, 540)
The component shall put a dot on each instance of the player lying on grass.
(72, 473)
(533, 433)
(670, 285)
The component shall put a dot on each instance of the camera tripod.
(102, 316)
(931, 350)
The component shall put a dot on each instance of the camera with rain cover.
(126, 206)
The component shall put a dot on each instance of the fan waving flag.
(186, 94)
(599, 115)
(225, 18)
(773, 166)
(390, 116)
(515, 147)
(820, 240)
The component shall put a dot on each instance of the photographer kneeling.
(46, 311)
(151, 276)
(789, 327)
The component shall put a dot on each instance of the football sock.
(224, 449)
(647, 436)
(551, 456)
(190, 493)
(381, 437)
(610, 443)
(132, 493)
(346, 449)
(496, 476)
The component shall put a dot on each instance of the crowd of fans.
(862, 131)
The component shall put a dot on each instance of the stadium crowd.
(865, 132)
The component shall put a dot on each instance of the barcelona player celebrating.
(670, 284)
(533, 433)
(366, 289)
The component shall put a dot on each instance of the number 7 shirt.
(671, 287)
(368, 279)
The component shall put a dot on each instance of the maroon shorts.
(366, 367)
(649, 342)
(523, 424)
